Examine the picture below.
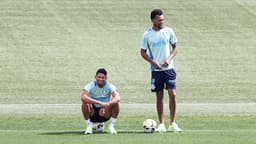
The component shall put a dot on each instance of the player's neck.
(101, 85)
(156, 28)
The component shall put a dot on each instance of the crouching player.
(100, 102)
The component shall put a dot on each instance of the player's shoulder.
(110, 85)
(169, 29)
(90, 85)
(148, 31)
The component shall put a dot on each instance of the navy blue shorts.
(163, 79)
(96, 116)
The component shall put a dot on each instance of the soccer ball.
(149, 126)
(98, 127)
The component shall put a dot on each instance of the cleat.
(174, 128)
(161, 128)
(88, 130)
(112, 130)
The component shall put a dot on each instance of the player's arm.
(115, 98)
(173, 52)
(86, 99)
(144, 54)
(171, 56)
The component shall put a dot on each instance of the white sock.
(112, 121)
(88, 122)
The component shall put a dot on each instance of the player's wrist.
(153, 62)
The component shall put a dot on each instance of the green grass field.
(220, 129)
(49, 49)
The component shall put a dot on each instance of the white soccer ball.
(149, 126)
(98, 127)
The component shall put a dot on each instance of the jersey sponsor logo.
(101, 94)
(159, 43)
(105, 93)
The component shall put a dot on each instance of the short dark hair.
(155, 12)
(101, 70)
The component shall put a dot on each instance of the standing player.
(161, 42)
(97, 104)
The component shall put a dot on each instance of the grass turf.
(69, 129)
(50, 49)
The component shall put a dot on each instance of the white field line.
(41, 131)
(182, 108)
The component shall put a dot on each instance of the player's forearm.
(172, 54)
(146, 57)
(115, 99)
(88, 100)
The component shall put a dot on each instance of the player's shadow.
(131, 131)
(81, 132)
(63, 133)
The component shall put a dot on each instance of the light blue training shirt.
(159, 45)
(101, 94)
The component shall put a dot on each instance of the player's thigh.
(157, 81)
(170, 80)
(87, 108)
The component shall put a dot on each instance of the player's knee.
(172, 93)
(116, 105)
(87, 108)
(115, 108)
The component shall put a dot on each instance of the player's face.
(158, 21)
(100, 79)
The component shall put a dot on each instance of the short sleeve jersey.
(101, 94)
(158, 43)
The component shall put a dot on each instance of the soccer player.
(100, 102)
(161, 41)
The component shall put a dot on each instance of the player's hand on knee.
(104, 105)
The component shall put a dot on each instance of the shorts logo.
(153, 84)
(171, 81)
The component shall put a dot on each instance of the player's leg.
(160, 110)
(115, 109)
(111, 113)
(160, 105)
(157, 85)
(171, 87)
(87, 111)
(172, 104)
